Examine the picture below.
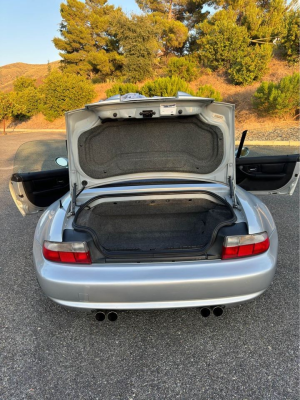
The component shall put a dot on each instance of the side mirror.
(244, 152)
(62, 162)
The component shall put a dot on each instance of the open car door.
(268, 174)
(38, 180)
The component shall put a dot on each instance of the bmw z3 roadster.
(149, 206)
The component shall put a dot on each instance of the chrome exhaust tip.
(100, 316)
(218, 311)
(205, 312)
(112, 316)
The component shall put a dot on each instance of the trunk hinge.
(73, 201)
(232, 193)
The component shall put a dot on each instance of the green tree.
(87, 44)
(183, 67)
(209, 92)
(221, 41)
(165, 87)
(6, 107)
(137, 37)
(278, 99)
(23, 83)
(26, 103)
(190, 12)
(63, 92)
(122, 88)
(252, 65)
(290, 38)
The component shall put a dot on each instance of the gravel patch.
(278, 134)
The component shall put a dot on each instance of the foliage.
(23, 83)
(290, 39)
(87, 44)
(184, 67)
(64, 92)
(221, 41)
(26, 103)
(137, 38)
(209, 92)
(278, 99)
(252, 65)
(189, 12)
(6, 106)
(122, 88)
(165, 87)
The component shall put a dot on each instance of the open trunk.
(154, 224)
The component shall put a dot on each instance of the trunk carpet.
(149, 225)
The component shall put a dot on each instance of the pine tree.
(87, 45)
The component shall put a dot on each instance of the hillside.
(10, 72)
(246, 117)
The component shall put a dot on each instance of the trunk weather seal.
(167, 253)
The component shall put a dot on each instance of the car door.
(40, 175)
(276, 174)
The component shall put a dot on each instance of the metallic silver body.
(156, 284)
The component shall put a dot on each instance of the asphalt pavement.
(48, 352)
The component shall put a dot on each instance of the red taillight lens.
(75, 252)
(245, 246)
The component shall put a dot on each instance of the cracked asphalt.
(47, 352)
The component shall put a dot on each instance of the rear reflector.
(245, 246)
(74, 253)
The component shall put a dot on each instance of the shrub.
(290, 40)
(221, 41)
(122, 88)
(26, 103)
(165, 87)
(183, 67)
(209, 91)
(64, 92)
(251, 66)
(278, 99)
(6, 106)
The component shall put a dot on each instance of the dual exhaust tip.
(111, 316)
(217, 311)
(204, 311)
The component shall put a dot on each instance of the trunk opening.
(156, 225)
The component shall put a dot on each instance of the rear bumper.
(157, 285)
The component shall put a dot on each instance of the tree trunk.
(170, 15)
(4, 127)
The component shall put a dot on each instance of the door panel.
(268, 174)
(38, 180)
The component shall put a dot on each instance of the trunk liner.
(154, 225)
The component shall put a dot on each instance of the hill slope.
(10, 72)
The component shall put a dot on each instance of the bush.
(122, 88)
(23, 83)
(183, 67)
(278, 99)
(209, 91)
(290, 40)
(64, 92)
(26, 103)
(251, 66)
(221, 41)
(165, 87)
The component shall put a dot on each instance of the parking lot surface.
(48, 352)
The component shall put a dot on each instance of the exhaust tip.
(205, 312)
(100, 316)
(112, 316)
(218, 311)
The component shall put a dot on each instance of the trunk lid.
(136, 138)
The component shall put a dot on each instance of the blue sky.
(28, 26)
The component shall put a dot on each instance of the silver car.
(150, 207)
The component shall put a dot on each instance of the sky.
(27, 28)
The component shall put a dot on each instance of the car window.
(261, 151)
(39, 155)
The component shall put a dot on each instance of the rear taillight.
(245, 246)
(75, 252)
